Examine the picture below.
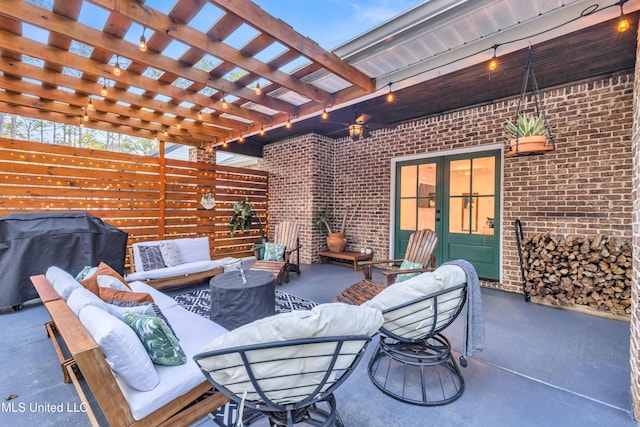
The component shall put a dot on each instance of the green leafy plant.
(322, 220)
(526, 126)
(243, 216)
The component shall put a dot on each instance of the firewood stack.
(578, 270)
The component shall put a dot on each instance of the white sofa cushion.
(178, 270)
(122, 348)
(443, 277)
(194, 249)
(160, 299)
(63, 282)
(192, 330)
(82, 297)
(295, 369)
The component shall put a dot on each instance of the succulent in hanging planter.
(528, 135)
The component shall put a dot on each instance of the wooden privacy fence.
(148, 197)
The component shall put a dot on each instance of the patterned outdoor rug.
(200, 302)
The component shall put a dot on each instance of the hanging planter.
(529, 134)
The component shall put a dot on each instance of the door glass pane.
(408, 214)
(484, 176)
(408, 180)
(427, 196)
(486, 215)
(459, 177)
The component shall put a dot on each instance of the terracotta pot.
(529, 145)
(336, 242)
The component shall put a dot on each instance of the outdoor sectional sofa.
(94, 345)
(174, 262)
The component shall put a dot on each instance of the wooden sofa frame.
(87, 362)
(175, 281)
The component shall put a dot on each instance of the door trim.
(443, 153)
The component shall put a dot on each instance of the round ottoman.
(234, 304)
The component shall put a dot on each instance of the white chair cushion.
(295, 365)
(443, 277)
(63, 282)
(122, 348)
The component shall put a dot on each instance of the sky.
(334, 22)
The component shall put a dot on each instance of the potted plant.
(243, 216)
(528, 135)
(336, 239)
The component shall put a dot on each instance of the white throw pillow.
(122, 348)
(170, 253)
(82, 297)
(112, 283)
(295, 365)
(63, 282)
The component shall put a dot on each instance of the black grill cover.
(32, 242)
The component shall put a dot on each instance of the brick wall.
(635, 289)
(300, 185)
(583, 187)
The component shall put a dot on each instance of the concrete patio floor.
(542, 367)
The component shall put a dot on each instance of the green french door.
(457, 196)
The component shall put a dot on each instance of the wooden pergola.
(205, 96)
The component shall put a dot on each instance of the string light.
(241, 139)
(200, 115)
(390, 96)
(179, 126)
(258, 88)
(493, 63)
(261, 130)
(288, 124)
(325, 115)
(623, 22)
(166, 131)
(143, 41)
(86, 115)
(90, 103)
(81, 123)
(225, 105)
(104, 91)
(116, 68)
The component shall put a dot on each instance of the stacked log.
(593, 272)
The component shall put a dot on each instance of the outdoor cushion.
(105, 281)
(273, 251)
(325, 320)
(103, 269)
(86, 271)
(63, 282)
(157, 338)
(170, 253)
(193, 330)
(194, 249)
(122, 348)
(82, 297)
(408, 265)
(163, 301)
(151, 257)
(108, 294)
(179, 270)
(443, 277)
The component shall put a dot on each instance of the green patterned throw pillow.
(161, 344)
(407, 265)
(273, 252)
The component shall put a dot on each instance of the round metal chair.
(413, 360)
